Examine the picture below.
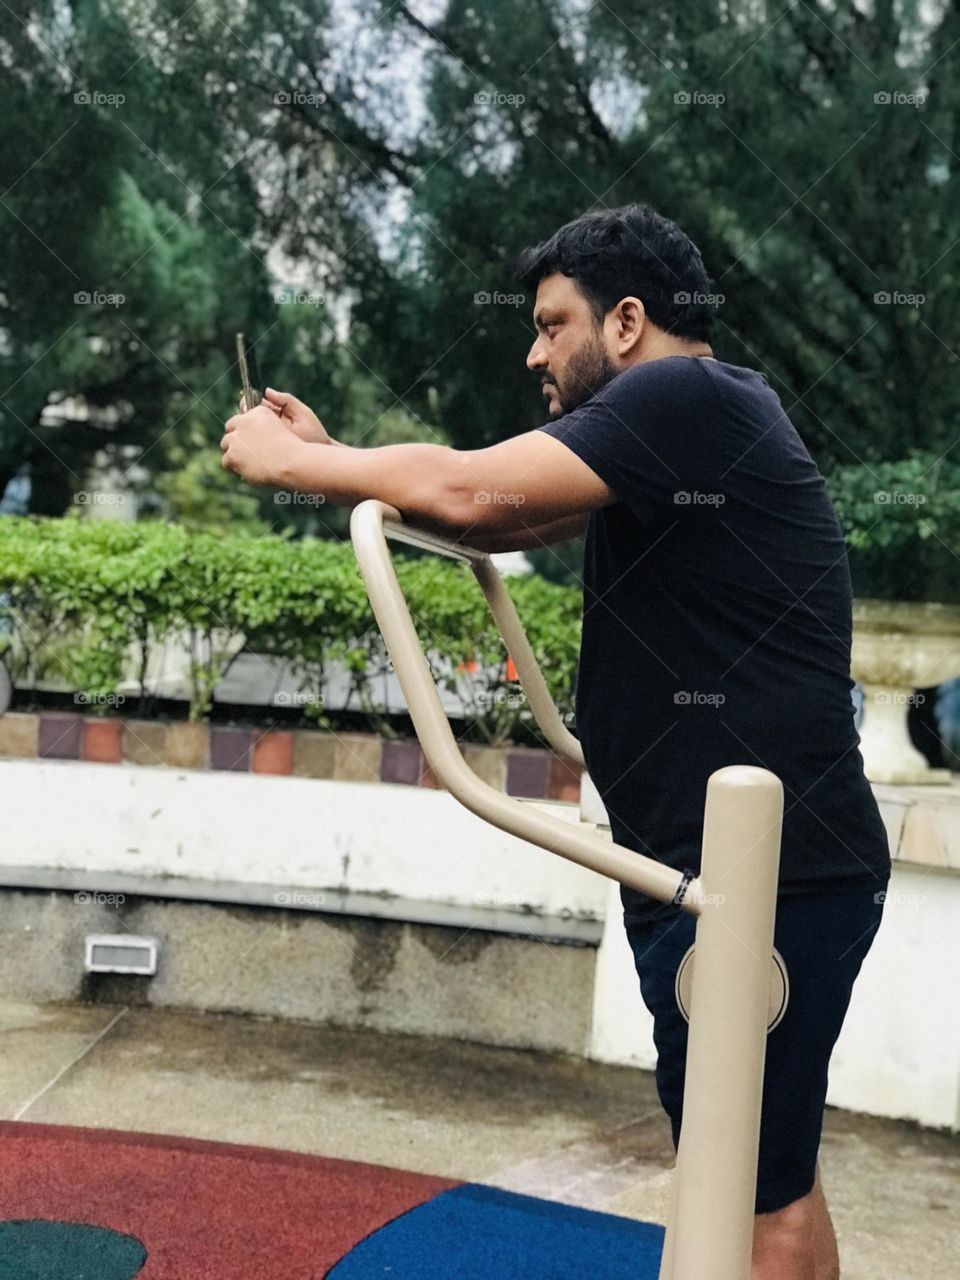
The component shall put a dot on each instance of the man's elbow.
(461, 505)
(449, 497)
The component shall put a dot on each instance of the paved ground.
(554, 1127)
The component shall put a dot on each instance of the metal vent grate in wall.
(120, 953)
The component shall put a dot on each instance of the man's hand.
(301, 420)
(260, 447)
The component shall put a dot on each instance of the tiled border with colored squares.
(305, 753)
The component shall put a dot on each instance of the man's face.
(570, 353)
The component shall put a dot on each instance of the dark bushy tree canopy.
(396, 165)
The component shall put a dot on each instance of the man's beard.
(587, 371)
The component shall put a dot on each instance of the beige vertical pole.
(666, 1258)
(711, 1231)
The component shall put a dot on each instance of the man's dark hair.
(616, 253)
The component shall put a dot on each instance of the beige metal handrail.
(709, 1235)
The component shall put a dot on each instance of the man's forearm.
(444, 489)
(517, 488)
(414, 478)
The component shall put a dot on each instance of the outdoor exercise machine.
(739, 990)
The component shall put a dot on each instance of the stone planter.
(899, 647)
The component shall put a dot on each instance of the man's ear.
(631, 316)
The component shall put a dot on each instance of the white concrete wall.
(899, 1051)
(414, 853)
(622, 1029)
(332, 842)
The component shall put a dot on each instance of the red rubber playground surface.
(100, 1204)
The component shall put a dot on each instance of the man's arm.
(527, 539)
(521, 484)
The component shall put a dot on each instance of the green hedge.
(901, 520)
(86, 601)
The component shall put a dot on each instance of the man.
(716, 631)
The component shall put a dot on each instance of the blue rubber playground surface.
(475, 1232)
(102, 1204)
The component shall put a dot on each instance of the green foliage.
(77, 593)
(398, 159)
(821, 201)
(89, 600)
(902, 524)
(120, 186)
(198, 494)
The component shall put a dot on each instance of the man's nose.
(536, 358)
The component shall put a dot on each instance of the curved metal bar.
(505, 615)
(370, 525)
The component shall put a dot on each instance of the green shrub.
(88, 601)
(902, 524)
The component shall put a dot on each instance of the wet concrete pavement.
(552, 1126)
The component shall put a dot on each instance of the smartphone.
(250, 395)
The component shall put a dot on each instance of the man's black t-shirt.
(716, 624)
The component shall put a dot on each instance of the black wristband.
(682, 888)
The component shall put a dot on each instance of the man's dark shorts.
(823, 940)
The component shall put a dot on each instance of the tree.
(810, 152)
(388, 166)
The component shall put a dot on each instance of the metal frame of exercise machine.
(739, 989)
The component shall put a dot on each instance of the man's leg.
(798, 1242)
(823, 940)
